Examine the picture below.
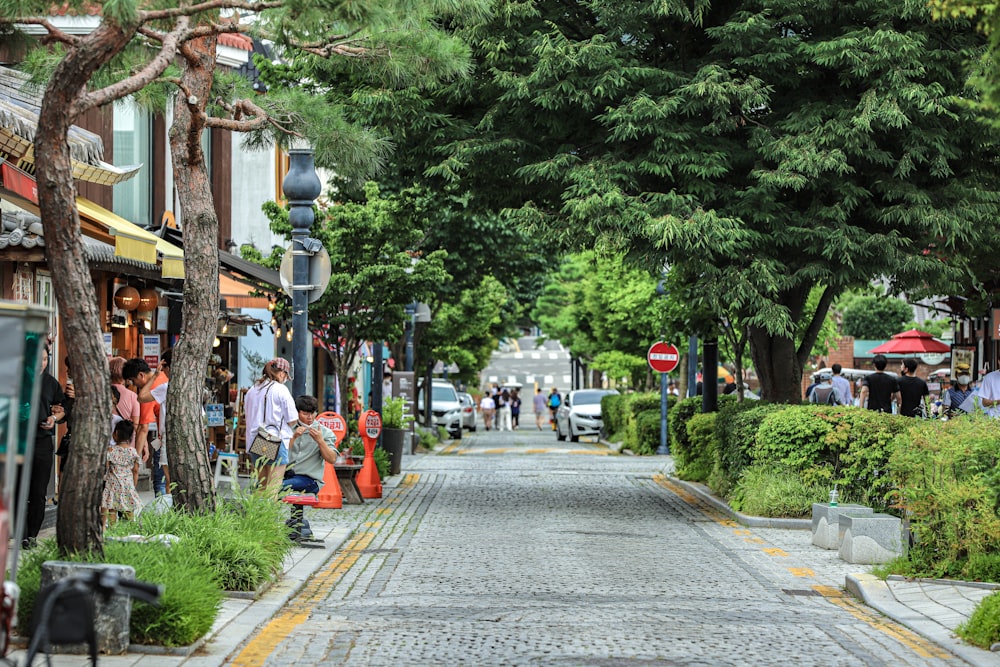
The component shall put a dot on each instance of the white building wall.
(253, 184)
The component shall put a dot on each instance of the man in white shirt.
(989, 394)
(386, 385)
(842, 385)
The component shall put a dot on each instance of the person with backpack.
(555, 400)
(824, 393)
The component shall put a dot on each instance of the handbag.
(263, 445)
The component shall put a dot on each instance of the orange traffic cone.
(330, 496)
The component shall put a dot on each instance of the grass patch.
(774, 492)
(983, 627)
(187, 609)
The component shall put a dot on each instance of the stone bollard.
(870, 539)
(826, 523)
(111, 617)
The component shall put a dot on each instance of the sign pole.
(663, 358)
(664, 447)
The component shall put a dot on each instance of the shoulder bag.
(264, 444)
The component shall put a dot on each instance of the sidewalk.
(240, 614)
(932, 608)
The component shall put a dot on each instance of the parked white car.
(580, 414)
(446, 408)
(468, 411)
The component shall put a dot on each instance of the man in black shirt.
(913, 391)
(879, 389)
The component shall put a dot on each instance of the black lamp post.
(301, 187)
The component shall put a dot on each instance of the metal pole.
(409, 337)
(692, 366)
(664, 447)
(710, 376)
(301, 187)
(377, 377)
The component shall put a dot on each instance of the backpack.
(555, 401)
(829, 398)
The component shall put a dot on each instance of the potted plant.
(395, 425)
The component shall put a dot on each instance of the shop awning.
(238, 294)
(134, 242)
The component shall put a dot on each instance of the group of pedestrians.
(500, 408)
(908, 394)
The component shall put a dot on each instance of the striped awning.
(134, 242)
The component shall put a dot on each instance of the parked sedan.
(580, 414)
(468, 411)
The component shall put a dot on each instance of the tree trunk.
(778, 366)
(186, 444)
(79, 527)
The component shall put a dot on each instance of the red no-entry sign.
(663, 357)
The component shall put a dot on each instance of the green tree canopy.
(875, 317)
(777, 146)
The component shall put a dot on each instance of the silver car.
(468, 411)
(580, 414)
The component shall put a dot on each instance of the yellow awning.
(135, 242)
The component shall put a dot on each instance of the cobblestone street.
(506, 550)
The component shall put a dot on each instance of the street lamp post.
(301, 187)
(664, 448)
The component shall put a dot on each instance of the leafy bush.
(188, 606)
(772, 491)
(795, 438)
(381, 456)
(947, 479)
(644, 436)
(679, 417)
(983, 627)
(613, 414)
(695, 460)
(861, 442)
(735, 432)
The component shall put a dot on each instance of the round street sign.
(663, 357)
(320, 270)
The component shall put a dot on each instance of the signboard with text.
(663, 357)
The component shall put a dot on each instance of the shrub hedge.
(695, 462)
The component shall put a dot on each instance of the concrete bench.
(870, 538)
(826, 522)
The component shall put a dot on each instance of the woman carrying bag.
(270, 413)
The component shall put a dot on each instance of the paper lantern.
(148, 300)
(127, 298)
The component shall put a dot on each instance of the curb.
(749, 521)
(876, 594)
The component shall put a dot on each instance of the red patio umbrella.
(913, 341)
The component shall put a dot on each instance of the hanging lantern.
(127, 298)
(148, 300)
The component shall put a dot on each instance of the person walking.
(879, 390)
(824, 393)
(555, 400)
(139, 377)
(515, 408)
(541, 407)
(842, 384)
(487, 406)
(503, 411)
(269, 407)
(913, 391)
(120, 494)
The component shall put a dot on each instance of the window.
(133, 199)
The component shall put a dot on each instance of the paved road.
(510, 549)
(528, 363)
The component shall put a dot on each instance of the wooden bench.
(347, 477)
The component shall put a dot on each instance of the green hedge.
(735, 433)
(696, 461)
(613, 414)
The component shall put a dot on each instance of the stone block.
(870, 539)
(111, 617)
(826, 523)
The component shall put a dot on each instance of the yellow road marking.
(801, 572)
(775, 551)
(450, 449)
(740, 531)
(754, 540)
(595, 452)
(536, 451)
(298, 611)
(383, 510)
(916, 643)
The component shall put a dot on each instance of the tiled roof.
(22, 229)
(236, 41)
